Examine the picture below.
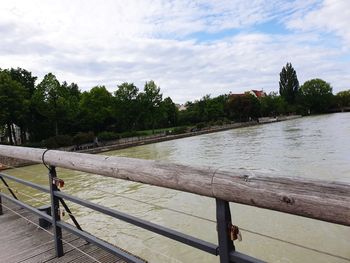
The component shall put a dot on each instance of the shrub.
(219, 123)
(201, 125)
(179, 130)
(58, 141)
(83, 137)
(108, 136)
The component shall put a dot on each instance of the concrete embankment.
(136, 141)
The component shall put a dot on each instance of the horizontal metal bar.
(98, 242)
(167, 232)
(27, 183)
(28, 207)
(237, 257)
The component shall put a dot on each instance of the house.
(255, 93)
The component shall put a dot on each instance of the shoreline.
(208, 130)
(8, 163)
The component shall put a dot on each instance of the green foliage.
(273, 105)
(108, 136)
(57, 103)
(244, 107)
(96, 109)
(58, 141)
(127, 106)
(343, 99)
(14, 103)
(316, 95)
(205, 110)
(289, 84)
(179, 130)
(201, 125)
(83, 137)
(150, 100)
(53, 108)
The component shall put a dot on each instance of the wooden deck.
(22, 241)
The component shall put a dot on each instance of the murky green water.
(312, 147)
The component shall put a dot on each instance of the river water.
(315, 147)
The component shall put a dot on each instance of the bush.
(108, 136)
(201, 125)
(219, 123)
(58, 141)
(83, 137)
(133, 134)
(179, 130)
(33, 144)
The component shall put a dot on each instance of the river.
(316, 147)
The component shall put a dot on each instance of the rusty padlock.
(235, 234)
(58, 182)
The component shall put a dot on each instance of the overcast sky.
(189, 48)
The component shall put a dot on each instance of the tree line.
(53, 109)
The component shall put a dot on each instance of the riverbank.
(6, 162)
(122, 144)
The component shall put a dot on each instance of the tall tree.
(151, 99)
(27, 80)
(244, 107)
(127, 105)
(343, 99)
(57, 103)
(289, 84)
(46, 99)
(316, 95)
(96, 108)
(169, 112)
(13, 104)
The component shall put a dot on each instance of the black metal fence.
(226, 231)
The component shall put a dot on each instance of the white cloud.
(332, 16)
(94, 43)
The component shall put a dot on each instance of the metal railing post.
(55, 212)
(223, 219)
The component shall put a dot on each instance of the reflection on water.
(313, 147)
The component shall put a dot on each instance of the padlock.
(58, 182)
(235, 234)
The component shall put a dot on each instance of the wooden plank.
(49, 254)
(322, 200)
(74, 254)
(26, 243)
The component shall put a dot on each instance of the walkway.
(22, 240)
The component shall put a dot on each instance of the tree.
(127, 105)
(25, 78)
(289, 84)
(316, 95)
(151, 99)
(343, 99)
(243, 107)
(57, 106)
(169, 112)
(96, 108)
(272, 105)
(13, 104)
(46, 99)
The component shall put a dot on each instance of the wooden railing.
(323, 200)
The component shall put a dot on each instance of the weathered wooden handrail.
(322, 200)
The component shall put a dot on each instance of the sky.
(189, 48)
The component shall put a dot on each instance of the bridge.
(321, 200)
